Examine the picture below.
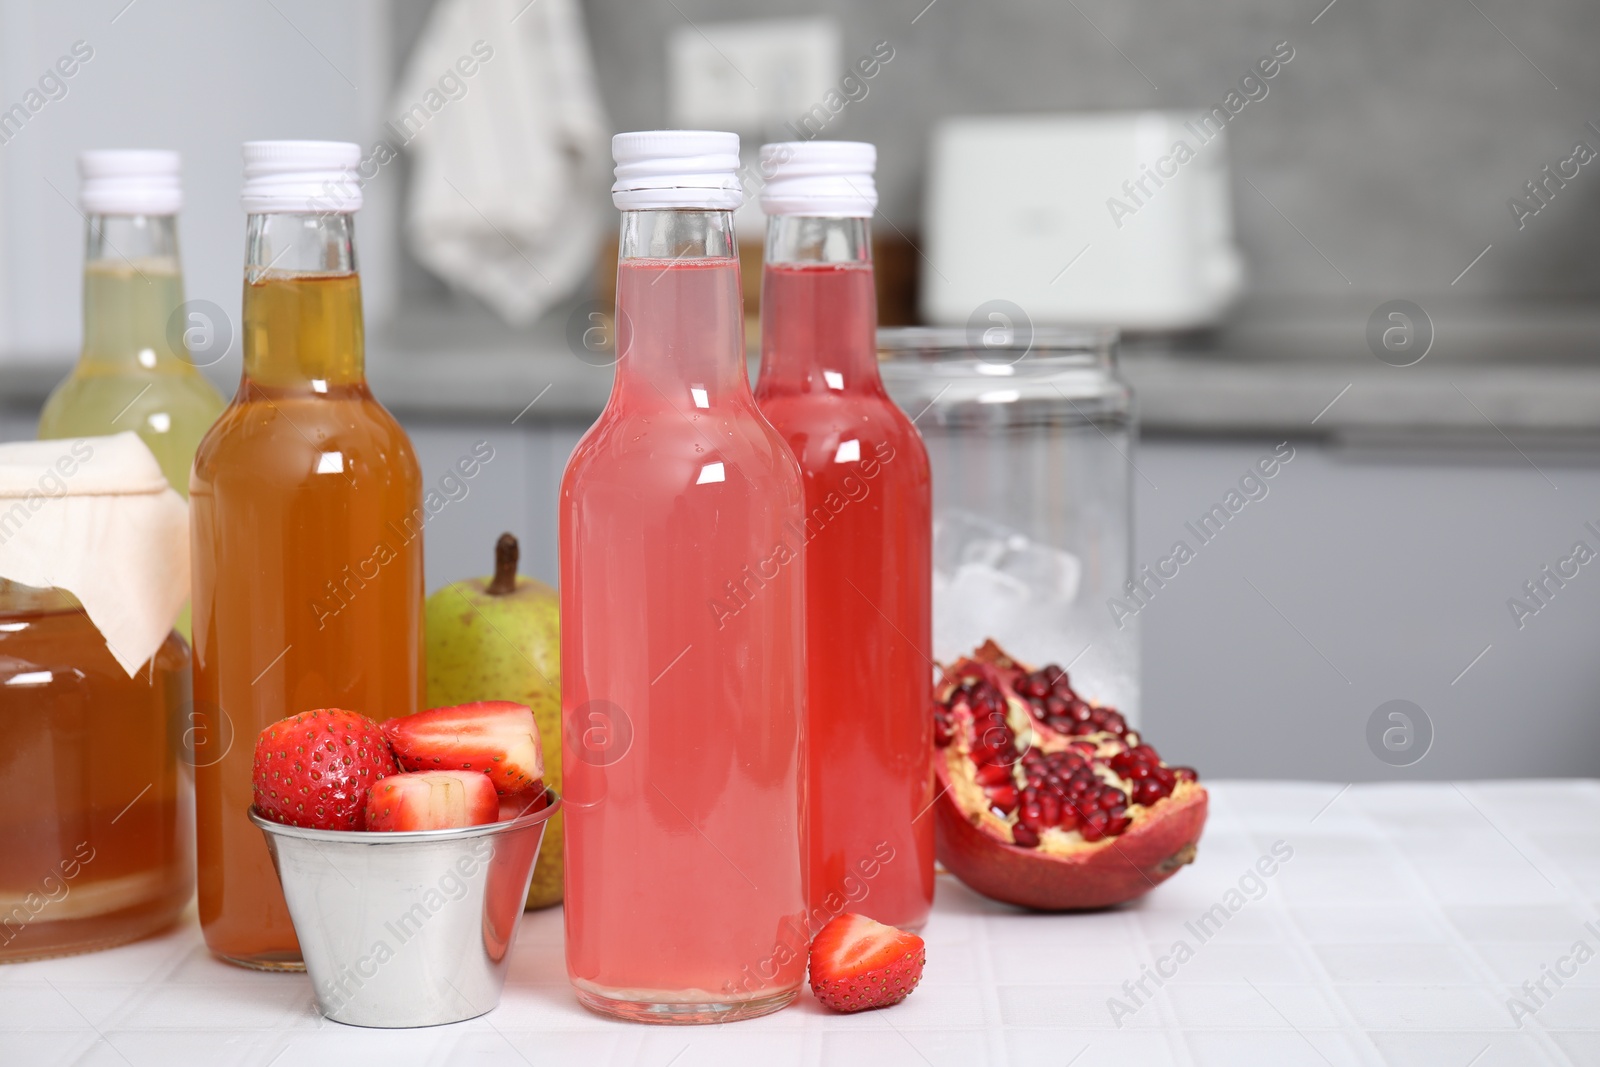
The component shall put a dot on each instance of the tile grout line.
(1279, 921)
(1489, 980)
(1352, 1028)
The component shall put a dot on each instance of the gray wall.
(1391, 574)
(189, 75)
(1392, 140)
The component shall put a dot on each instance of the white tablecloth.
(1405, 922)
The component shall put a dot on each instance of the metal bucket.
(407, 929)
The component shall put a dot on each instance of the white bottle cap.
(831, 179)
(301, 177)
(132, 181)
(661, 169)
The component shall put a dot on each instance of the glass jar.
(96, 810)
(1030, 434)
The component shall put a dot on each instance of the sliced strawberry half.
(858, 964)
(496, 737)
(516, 805)
(432, 800)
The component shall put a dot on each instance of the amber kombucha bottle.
(306, 520)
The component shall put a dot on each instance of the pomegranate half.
(1050, 801)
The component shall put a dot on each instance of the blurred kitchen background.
(1426, 152)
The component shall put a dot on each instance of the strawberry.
(432, 800)
(516, 805)
(314, 769)
(857, 964)
(493, 736)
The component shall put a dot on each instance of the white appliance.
(1110, 218)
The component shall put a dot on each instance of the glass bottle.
(306, 516)
(135, 372)
(682, 632)
(868, 528)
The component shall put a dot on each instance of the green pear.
(499, 638)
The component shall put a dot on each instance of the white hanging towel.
(510, 162)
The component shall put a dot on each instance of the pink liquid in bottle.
(868, 576)
(682, 657)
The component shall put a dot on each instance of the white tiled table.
(1406, 918)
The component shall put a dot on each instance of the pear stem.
(506, 553)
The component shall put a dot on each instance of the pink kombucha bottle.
(867, 532)
(682, 585)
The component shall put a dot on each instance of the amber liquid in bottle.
(306, 520)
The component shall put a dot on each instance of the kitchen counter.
(1307, 375)
(1306, 372)
(1402, 922)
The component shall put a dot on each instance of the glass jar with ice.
(1030, 434)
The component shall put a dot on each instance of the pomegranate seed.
(1003, 797)
(997, 739)
(1066, 788)
(994, 774)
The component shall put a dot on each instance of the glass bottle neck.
(817, 239)
(680, 309)
(302, 303)
(680, 235)
(819, 308)
(132, 287)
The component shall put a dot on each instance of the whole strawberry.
(857, 964)
(314, 769)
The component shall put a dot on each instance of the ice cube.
(969, 606)
(1051, 574)
(964, 537)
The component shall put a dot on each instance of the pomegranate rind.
(1097, 875)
